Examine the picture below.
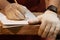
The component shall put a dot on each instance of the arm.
(54, 2)
(53, 5)
(3, 4)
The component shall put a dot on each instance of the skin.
(3, 4)
(12, 10)
(50, 23)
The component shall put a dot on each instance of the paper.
(12, 23)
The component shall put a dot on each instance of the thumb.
(35, 21)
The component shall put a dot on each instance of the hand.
(14, 11)
(50, 24)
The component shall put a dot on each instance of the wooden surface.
(0, 27)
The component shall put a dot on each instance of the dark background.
(32, 5)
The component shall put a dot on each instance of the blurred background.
(32, 5)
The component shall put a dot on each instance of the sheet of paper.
(12, 23)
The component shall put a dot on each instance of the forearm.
(3, 4)
(54, 2)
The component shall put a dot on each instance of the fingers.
(56, 30)
(22, 9)
(46, 31)
(13, 13)
(10, 14)
(42, 27)
(36, 20)
(51, 32)
(19, 15)
(17, 12)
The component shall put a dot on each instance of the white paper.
(12, 23)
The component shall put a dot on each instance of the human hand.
(14, 11)
(50, 24)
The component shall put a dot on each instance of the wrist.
(52, 8)
(49, 12)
